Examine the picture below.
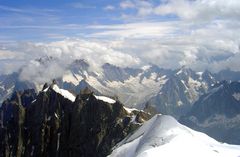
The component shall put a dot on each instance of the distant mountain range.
(167, 91)
(217, 113)
(55, 122)
(81, 113)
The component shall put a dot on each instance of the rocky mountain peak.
(45, 59)
(50, 124)
(79, 64)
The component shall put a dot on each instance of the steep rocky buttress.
(50, 124)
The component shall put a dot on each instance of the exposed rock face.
(10, 83)
(12, 117)
(217, 113)
(168, 91)
(50, 125)
(180, 91)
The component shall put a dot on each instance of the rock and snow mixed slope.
(217, 113)
(180, 91)
(135, 87)
(56, 123)
(132, 86)
(64, 93)
(169, 91)
(164, 136)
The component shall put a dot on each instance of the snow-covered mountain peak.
(79, 66)
(163, 88)
(164, 136)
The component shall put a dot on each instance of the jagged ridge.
(50, 124)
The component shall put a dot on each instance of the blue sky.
(25, 20)
(201, 34)
(54, 19)
(36, 20)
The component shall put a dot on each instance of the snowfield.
(64, 93)
(163, 136)
(105, 99)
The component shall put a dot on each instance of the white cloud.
(143, 7)
(9, 66)
(11, 9)
(194, 10)
(205, 36)
(41, 73)
(6, 54)
(28, 10)
(175, 43)
(109, 8)
(169, 44)
(79, 5)
(134, 30)
(96, 53)
(127, 4)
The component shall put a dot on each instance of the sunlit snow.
(164, 136)
(64, 93)
(105, 99)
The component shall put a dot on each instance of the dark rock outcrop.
(50, 125)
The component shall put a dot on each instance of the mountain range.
(168, 91)
(55, 122)
(106, 113)
(217, 113)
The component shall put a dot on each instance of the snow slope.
(105, 99)
(164, 136)
(64, 93)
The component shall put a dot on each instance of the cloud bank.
(200, 34)
(195, 10)
(96, 53)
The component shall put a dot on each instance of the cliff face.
(12, 117)
(50, 125)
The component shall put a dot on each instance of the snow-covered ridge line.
(105, 99)
(130, 110)
(163, 136)
(64, 93)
